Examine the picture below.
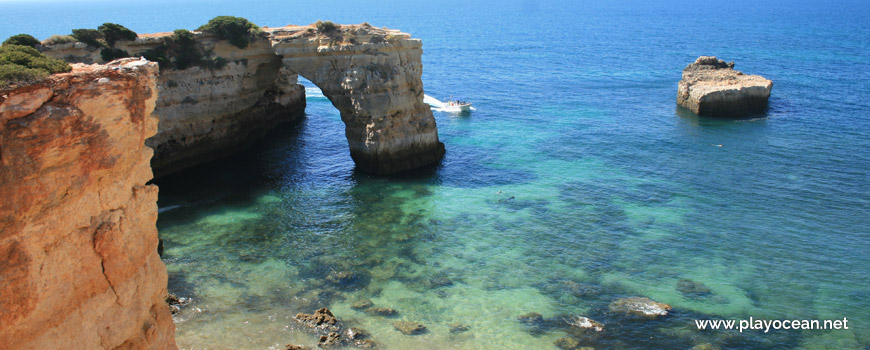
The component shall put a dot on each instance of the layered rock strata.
(712, 87)
(371, 75)
(78, 237)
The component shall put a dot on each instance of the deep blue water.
(576, 171)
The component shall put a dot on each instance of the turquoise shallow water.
(576, 181)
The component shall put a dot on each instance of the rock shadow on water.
(705, 121)
(464, 167)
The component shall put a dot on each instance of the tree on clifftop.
(238, 31)
(22, 39)
(114, 32)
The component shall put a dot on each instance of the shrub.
(22, 39)
(13, 73)
(326, 26)
(59, 39)
(182, 47)
(158, 54)
(109, 54)
(217, 63)
(19, 63)
(238, 31)
(112, 33)
(89, 36)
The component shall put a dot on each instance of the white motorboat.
(456, 106)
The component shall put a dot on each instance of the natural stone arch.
(376, 85)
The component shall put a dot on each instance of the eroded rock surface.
(321, 320)
(78, 235)
(712, 87)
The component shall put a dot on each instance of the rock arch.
(373, 77)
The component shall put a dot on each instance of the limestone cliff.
(78, 238)
(712, 87)
(206, 114)
(372, 75)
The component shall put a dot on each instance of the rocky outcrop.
(712, 87)
(371, 75)
(78, 236)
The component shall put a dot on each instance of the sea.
(575, 182)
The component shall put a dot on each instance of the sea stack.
(711, 87)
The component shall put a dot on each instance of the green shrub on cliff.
(326, 26)
(183, 50)
(91, 37)
(112, 33)
(238, 31)
(22, 39)
(59, 39)
(19, 63)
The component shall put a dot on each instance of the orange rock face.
(78, 240)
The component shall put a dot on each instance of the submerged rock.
(381, 311)
(348, 280)
(175, 303)
(705, 346)
(536, 324)
(322, 319)
(583, 322)
(567, 343)
(438, 281)
(581, 289)
(531, 318)
(296, 347)
(457, 327)
(639, 306)
(712, 87)
(360, 338)
(693, 289)
(330, 339)
(361, 304)
(409, 327)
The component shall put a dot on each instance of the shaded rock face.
(206, 114)
(78, 235)
(712, 87)
(371, 75)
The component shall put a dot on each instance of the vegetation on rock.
(91, 37)
(59, 39)
(326, 26)
(112, 33)
(21, 64)
(22, 39)
(238, 31)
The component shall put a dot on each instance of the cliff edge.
(78, 235)
(711, 87)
